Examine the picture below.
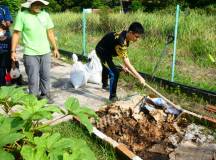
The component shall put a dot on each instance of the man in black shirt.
(115, 44)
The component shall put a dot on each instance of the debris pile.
(151, 131)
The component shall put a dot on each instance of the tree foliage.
(13, 5)
(98, 4)
(62, 5)
(136, 5)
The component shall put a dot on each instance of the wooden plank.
(211, 108)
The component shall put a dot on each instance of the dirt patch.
(151, 134)
(145, 134)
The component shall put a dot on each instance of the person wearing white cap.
(36, 27)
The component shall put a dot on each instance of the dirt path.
(91, 95)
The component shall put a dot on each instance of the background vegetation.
(134, 5)
(196, 41)
(196, 37)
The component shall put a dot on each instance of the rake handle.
(167, 100)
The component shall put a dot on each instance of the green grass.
(101, 150)
(196, 39)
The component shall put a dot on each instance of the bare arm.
(15, 41)
(51, 37)
(132, 70)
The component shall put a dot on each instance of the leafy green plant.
(9, 135)
(22, 135)
(10, 96)
(54, 147)
(83, 113)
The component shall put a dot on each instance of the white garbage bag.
(94, 68)
(79, 75)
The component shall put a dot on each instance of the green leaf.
(41, 141)
(29, 136)
(53, 139)
(41, 115)
(36, 110)
(16, 123)
(11, 95)
(52, 108)
(85, 121)
(83, 113)
(5, 125)
(10, 138)
(5, 155)
(28, 153)
(88, 112)
(8, 129)
(72, 104)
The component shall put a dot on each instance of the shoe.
(113, 99)
(105, 88)
(50, 100)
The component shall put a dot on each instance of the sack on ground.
(94, 68)
(78, 76)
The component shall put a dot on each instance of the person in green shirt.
(36, 28)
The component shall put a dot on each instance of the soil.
(145, 134)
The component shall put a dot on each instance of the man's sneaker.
(113, 99)
(50, 100)
(105, 88)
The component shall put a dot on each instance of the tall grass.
(196, 39)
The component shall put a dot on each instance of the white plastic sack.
(14, 73)
(94, 68)
(79, 75)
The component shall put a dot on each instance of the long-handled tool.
(213, 120)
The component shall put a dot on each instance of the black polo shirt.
(114, 44)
